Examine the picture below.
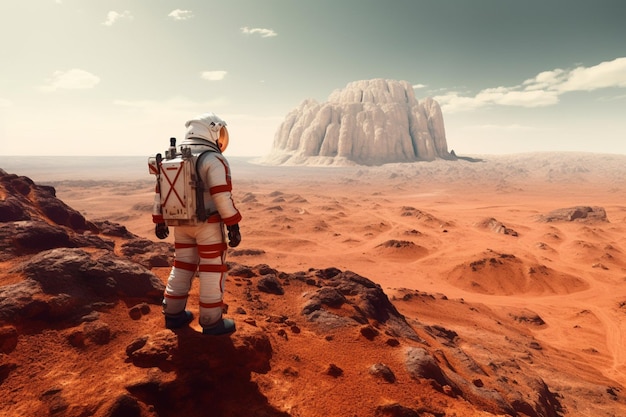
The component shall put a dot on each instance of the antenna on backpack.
(171, 153)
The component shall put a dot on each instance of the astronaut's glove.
(234, 237)
(161, 230)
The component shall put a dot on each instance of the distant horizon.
(260, 156)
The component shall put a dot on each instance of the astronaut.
(202, 248)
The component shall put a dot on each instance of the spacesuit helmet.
(210, 127)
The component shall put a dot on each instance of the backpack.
(179, 198)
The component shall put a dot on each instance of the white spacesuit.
(202, 247)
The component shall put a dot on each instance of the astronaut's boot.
(223, 326)
(175, 321)
(213, 323)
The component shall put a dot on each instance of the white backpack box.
(179, 190)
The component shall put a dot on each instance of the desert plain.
(467, 247)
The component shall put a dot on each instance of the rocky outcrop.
(496, 227)
(33, 220)
(67, 263)
(24, 200)
(370, 122)
(366, 299)
(61, 283)
(576, 214)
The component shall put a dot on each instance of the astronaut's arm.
(221, 192)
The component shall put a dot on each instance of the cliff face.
(370, 122)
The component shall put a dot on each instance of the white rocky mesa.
(370, 122)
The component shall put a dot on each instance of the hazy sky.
(86, 77)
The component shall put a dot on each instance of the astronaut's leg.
(179, 281)
(212, 251)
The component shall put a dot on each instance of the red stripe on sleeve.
(220, 189)
(232, 219)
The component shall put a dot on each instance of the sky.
(120, 77)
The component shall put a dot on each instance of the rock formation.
(67, 263)
(576, 214)
(370, 122)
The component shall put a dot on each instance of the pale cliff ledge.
(369, 122)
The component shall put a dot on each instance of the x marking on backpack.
(171, 183)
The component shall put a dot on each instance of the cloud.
(453, 102)
(74, 79)
(179, 14)
(604, 75)
(213, 75)
(418, 86)
(5, 102)
(507, 97)
(264, 33)
(542, 90)
(114, 16)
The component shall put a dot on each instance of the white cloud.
(74, 79)
(264, 33)
(418, 86)
(507, 97)
(213, 75)
(546, 80)
(542, 90)
(604, 75)
(454, 102)
(114, 16)
(179, 14)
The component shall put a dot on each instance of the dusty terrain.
(466, 251)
